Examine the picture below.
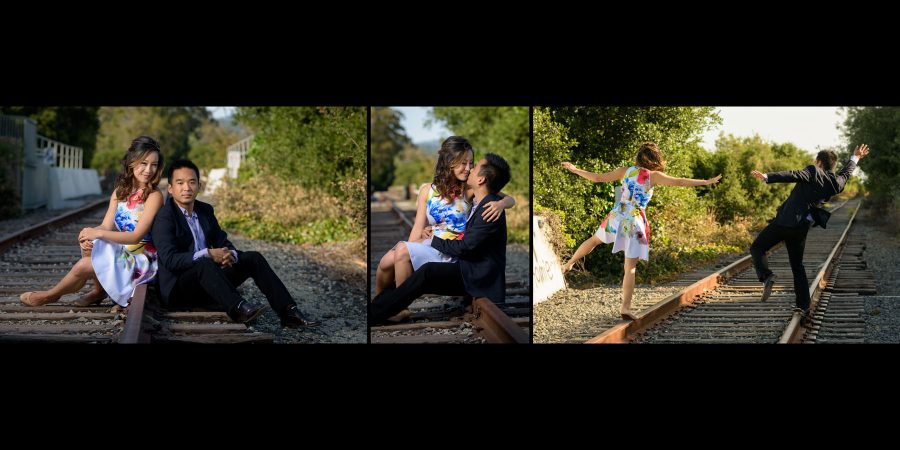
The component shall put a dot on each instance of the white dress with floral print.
(121, 268)
(626, 224)
(447, 220)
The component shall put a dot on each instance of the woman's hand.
(89, 234)
(569, 166)
(427, 233)
(86, 247)
(714, 179)
(492, 211)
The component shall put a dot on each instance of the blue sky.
(805, 127)
(220, 111)
(414, 124)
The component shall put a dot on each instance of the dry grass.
(268, 208)
(518, 221)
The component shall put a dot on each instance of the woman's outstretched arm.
(492, 210)
(614, 175)
(659, 178)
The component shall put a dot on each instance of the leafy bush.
(281, 211)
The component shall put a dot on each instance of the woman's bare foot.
(91, 298)
(36, 298)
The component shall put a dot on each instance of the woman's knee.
(84, 267)
(630, 266)
(402, 252)
(387, 261)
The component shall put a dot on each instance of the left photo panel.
(193, 224)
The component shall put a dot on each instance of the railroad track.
(38, 257)
(439, 319)
(724, 307)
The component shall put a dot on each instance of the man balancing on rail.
(481, 268)
(199, 265)
(802, 209)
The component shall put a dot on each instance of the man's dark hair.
(181, 164)
(828, 159)
(496, 172)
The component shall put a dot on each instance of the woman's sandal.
(26, 299)
(89, 300)
(629, 316)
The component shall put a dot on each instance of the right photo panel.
(704, 224)
(449, 237)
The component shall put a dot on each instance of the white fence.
(236, 153)
(57, 154)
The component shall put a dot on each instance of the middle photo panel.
(450, 225)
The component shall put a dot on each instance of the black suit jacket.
(175, 243)
(814, 187)
(481, 253)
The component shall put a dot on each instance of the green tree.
(208, 146)
(388, 141)
(72, 125)
(315, 147)
(322, 149)
(739, 193)
(172, 127)
(879, 127)
(501, 130)
(414, 166)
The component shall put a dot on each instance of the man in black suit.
(815, 184)
(198, 265)
(481, 268)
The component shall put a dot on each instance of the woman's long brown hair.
(453, 150)
(125, 182)
(650, 157)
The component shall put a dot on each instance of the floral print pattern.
(447, 218)
(627, 224)
(120, 268)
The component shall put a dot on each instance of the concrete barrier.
(68, 187)
(547, 277)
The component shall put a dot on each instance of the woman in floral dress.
(119, 254)
(626, 226)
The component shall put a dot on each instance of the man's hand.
(221, 256)
(427, 232)
(861, 151)
(759, 175)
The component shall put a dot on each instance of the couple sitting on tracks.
(196, 263)
(627, 226)
(462, 250)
